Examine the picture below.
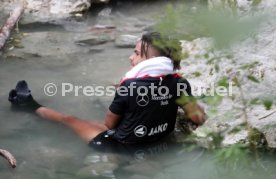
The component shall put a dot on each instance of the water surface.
(49, 150)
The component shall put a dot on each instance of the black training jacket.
(148, 107)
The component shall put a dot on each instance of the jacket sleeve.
(120, 101)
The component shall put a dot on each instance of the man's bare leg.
(21, 98)
(87, 130)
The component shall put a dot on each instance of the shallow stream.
(49, 150)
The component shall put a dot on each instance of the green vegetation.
(221, 24)
(226, 27)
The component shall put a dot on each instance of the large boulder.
(253, 61)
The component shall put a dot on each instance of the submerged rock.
(145, 168)
(93, 40)
(97, 170)
(126, 41)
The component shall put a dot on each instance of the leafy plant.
(223, 82)
(252, 78)
(268, 104)
(233, 155)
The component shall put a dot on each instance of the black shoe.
(21, 98)
(21, 95)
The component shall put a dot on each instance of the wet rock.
(126, 41)
(49, 10)
(93, 40)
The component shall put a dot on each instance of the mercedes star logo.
(140, 131)
(142, 100)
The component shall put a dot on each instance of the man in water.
(144, 107)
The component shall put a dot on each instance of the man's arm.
(188, 103)
(112, 120)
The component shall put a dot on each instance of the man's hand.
(195, 113)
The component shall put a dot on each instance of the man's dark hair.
(166, 46)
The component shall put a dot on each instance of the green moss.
(196, 74)
(255, 137)
(256, 2)
(267, 104)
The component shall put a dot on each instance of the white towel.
(157, 66)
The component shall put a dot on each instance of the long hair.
(166, 46)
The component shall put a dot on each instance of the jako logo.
(158, 129)
(140, 131)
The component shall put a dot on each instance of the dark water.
(48, 150)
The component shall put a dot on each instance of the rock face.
(253, 62)
(46, 10)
